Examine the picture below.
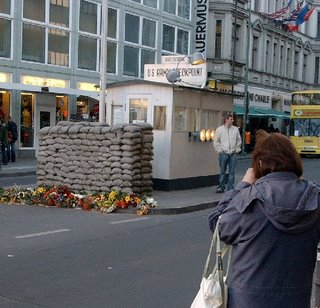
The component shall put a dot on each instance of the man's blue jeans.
(230, 161)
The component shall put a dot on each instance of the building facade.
(50, 53)
(279, 61)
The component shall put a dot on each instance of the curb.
(183, 210)
(4, 174)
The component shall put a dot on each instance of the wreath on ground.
(62, 196)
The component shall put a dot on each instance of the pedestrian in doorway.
(12, 138)
(272, 221)
(227, 143)
(4, 142)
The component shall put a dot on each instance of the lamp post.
(103, 62)
(246, 77)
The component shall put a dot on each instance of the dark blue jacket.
(274, 228)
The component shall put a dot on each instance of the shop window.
(61, 108)
(5, 38)
(179, 119)
(138, 110)
(27, 123)
(59, 12)
(4, 105)
(33, 43)
(5, 7)
(159, 117)
(34, 9)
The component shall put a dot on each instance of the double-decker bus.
(305, 121)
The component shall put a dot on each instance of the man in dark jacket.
(4, 142)
(12, 138)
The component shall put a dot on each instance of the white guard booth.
(178, 114)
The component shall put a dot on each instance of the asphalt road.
(51, 257)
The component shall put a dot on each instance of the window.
(296, 65)
(27, 124)
(151, 3)
(193, 120)
(183, 42)
(304, 70)
(88, 17)
(274, 59)
(5, 38)
(238, 47)
(180, 8)
(58, 47)
(59, 12)
(132, 28)
(159, 117)
(179, 118)
(255, 52)
(171, 43)
(267, 57)
(140, 44)
(282, 62)
(217, 45)
(5, 6)
(316, 71)
(34, 10)
(33, 43)
(288, 66)
(48, 41)
(318, 25)
(112, 23)
(168, 38)
(87, 53)
(209, 119)
(111, 57)
(138, 110)
(131, 61)
(256, 5)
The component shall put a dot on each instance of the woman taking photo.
(271, 219)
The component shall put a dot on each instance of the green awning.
(261, 112)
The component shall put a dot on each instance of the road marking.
(42, 233)
(127, 220)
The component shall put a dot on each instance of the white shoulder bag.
(213, 291)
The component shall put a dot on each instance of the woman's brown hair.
(274, 152)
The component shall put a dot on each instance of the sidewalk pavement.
(168, 202)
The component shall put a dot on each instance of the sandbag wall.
(91, 156)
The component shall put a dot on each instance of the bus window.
(305, 127)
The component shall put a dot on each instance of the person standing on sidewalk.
(4, 142)
(227, 143)
(272, 221)
(12, 138)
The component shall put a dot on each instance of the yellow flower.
(127, 198)
(40, 190)
(112, 194)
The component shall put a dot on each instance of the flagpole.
(246, 85)
(103, 62)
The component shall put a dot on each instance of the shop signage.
(201, 25)
(191, 75)
(44, 82)
(5, 77)
(86, 86)
(306, 113)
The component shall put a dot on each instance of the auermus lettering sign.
(201, 25)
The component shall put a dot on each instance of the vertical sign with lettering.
(201, 25)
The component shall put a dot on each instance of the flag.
(299, 17)
(280, 13)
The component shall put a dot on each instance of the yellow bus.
(305, 121)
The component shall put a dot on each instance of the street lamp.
(246, 92)
(173, 75)
(103, 62)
